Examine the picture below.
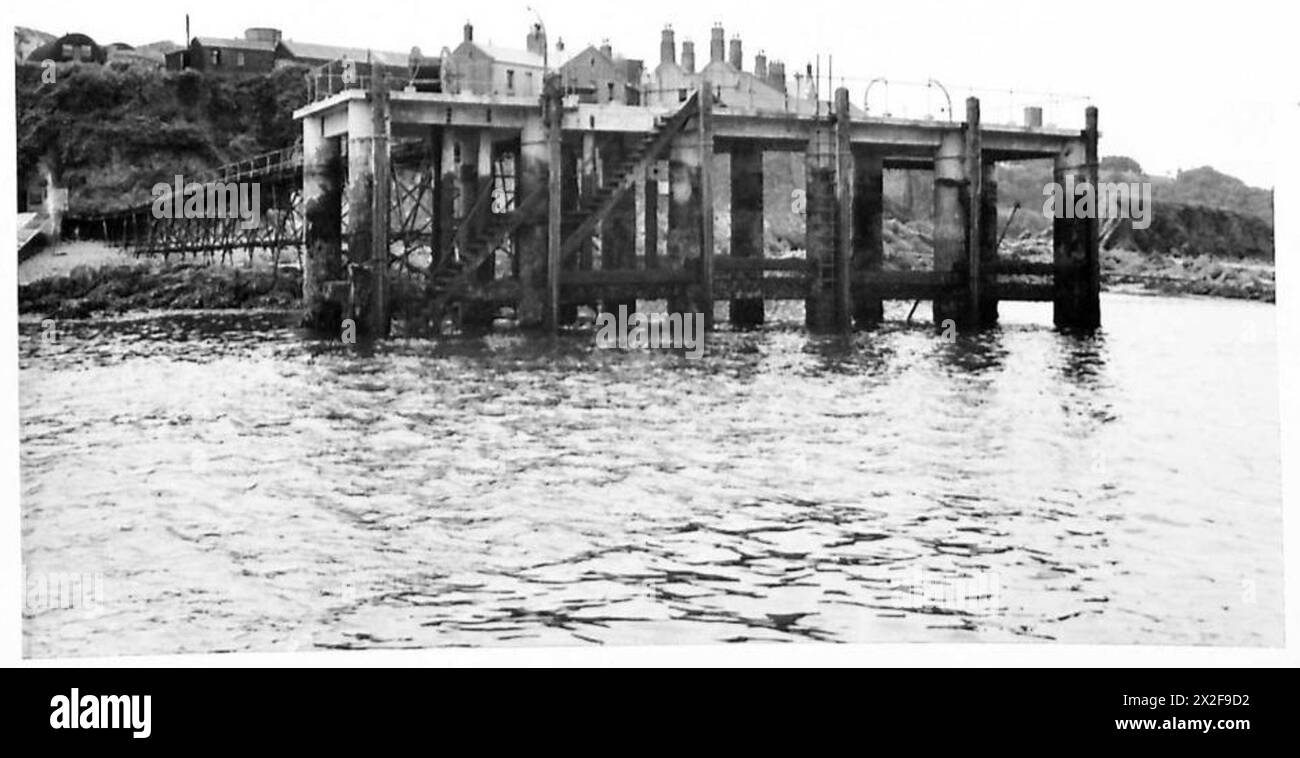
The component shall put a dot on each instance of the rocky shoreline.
(115, 284)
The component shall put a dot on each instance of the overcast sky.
(1178, 85)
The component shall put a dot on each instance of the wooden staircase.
(481, 232)
(450, 280)
(596, 207)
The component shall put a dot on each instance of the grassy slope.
(109, 133)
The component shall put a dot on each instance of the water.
(238, 488)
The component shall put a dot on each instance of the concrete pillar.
(587, 179)
(360, 189)
(475, 174)
(618, 230)
(322, 179)
(819, 229)
(533, 237)
(1078, 273)
(950, 219)
(868, 232)
(446, 193)
(747, 239)
(683, 239)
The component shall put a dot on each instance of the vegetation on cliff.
(109, 133)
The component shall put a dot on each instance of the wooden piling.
(706, 205)
(988, 247)
(1075, 240)
(844, 212)
(821, 217)
(618, 230)
(650, 217)
(868, 233)
(974, 211)
(747, 223)
(378, 315)
(553, 108)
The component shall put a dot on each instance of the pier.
(547, 198)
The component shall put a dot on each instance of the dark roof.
(54, 48)
(237, 44)
(313, 51)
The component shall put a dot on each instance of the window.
(215, 57)
(68, 51)
(610, 85)
(510, 79)
(84, 53)
(239, 58)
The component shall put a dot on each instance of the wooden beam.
(706, 203)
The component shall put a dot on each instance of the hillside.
(26, 40)
(111, 132)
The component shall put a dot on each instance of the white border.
(801, 654)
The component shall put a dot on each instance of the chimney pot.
(717, 45)
(737, 54)
(668, 47)
(469, 32)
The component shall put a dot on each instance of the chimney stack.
(668, 47)
(688, 56)
(737, 55)
(607, 49)
(469, 32)
(760, 65)
(776, 75)
(717, 45)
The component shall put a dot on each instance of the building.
(761, 90)
(421, 72)
(69, 48)
(264, 49)
(596, 75)
(120, 52)
(255, 53)
(501, 71)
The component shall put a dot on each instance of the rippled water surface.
(241, 488)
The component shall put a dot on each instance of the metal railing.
(329, 79)
(932, 100)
